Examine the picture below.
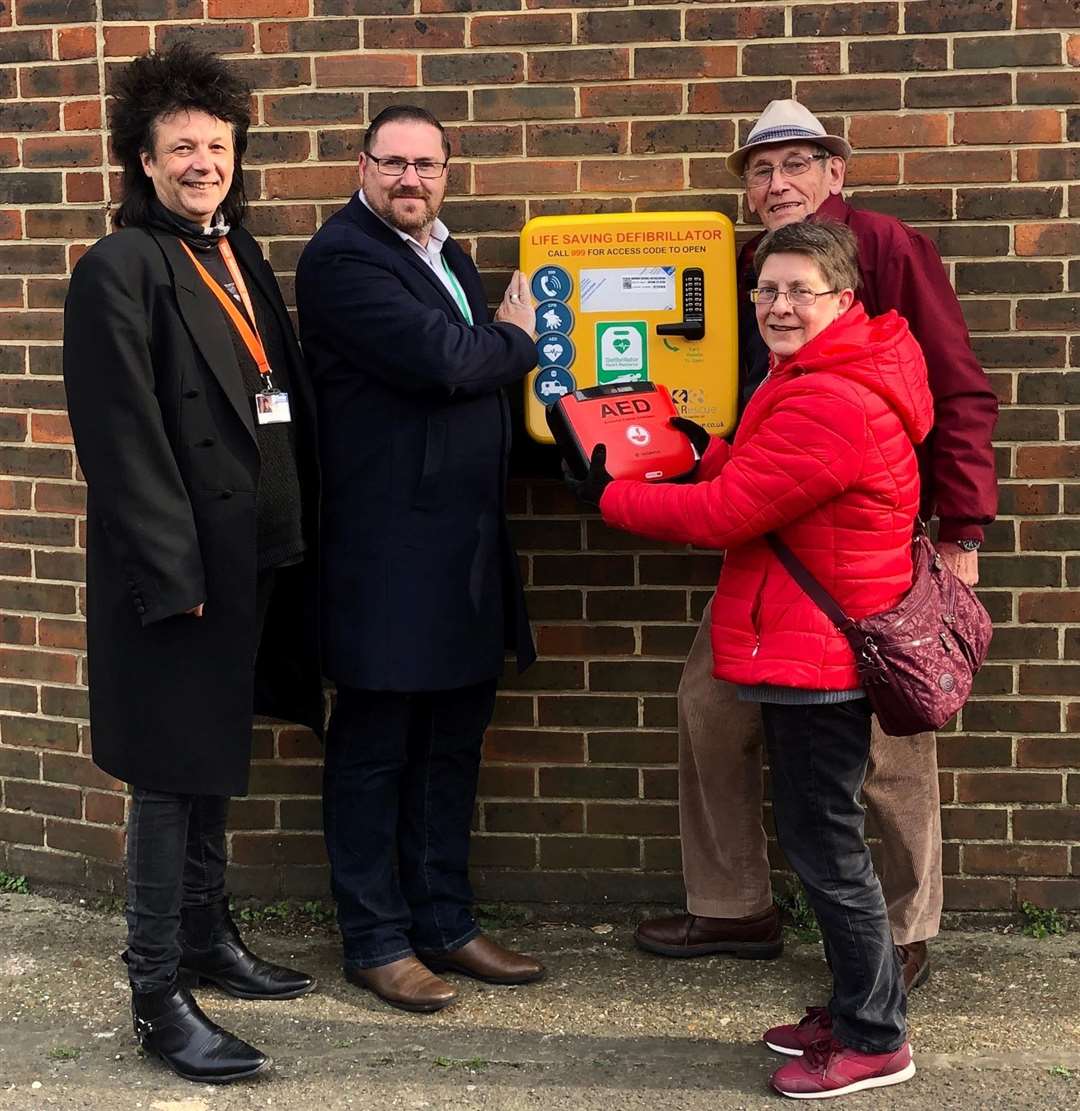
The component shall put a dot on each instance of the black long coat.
(420, 579)
(165, 435)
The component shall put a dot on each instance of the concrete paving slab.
(997, 1026)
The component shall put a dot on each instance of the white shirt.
(431, 253)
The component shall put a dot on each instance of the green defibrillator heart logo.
(621, 344)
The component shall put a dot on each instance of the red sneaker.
(828, 1068)
(793, 1040)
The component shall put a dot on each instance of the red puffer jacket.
(823, 455)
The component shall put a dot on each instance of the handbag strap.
(818, 594)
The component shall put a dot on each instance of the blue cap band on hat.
(772, 134)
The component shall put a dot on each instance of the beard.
(408, 223)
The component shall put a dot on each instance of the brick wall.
(963, 113)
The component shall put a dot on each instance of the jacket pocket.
(428, 489)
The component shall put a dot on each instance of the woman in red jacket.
(824, 457)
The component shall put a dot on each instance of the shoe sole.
(191, 979)
(744, 950)
(783, 1049)
(247, 1074)
(905, 1073)
(401, 1004)
(437, 966)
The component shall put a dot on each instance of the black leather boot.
(212, 951)
(169, 1025)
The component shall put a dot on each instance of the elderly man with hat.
(793, 170)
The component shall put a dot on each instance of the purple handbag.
(917, 661)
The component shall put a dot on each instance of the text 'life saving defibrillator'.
(637, 297)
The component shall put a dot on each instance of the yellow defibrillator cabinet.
(634, 297)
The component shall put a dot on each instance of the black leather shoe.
(212, 951)
(169, 1025)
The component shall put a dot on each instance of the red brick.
(542, 29)
(43, 798)
(77, 42)
(632, 175)
(311, 183)
(736, 96)
(911, 130)
(1055, 824)
(51, 497)
(516, 178)
(100, 842)
(105, 809)
(414, 34)
(1016, 860)
(1032, 125)
(126, 42)
(1053, 14)
(533, 746)
(1047, 752)
(78, 770)
(1048, 164)
(256, 9)
(65, 80)
(615, 100)
(753, 22)
(1062, 894)
(353, 70)
(575, 65)
(15, 629)
(52, 666)
(83, 188)
(1007, 787)
(666, 62)
(967, 893)
(1047, 238)
(959, 166)
(23, 829)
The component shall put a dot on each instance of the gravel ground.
(997, 1026)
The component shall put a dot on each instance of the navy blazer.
(421, 588)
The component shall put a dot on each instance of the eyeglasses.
(395, 167)
(767, 295)
(792, 166)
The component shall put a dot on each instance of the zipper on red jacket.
(755, 613)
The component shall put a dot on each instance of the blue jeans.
(175, 857)
(398, 794)
(818, 757)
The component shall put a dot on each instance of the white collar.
(438, 233)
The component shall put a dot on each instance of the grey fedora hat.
(786, 121)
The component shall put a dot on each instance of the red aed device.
(633, 421)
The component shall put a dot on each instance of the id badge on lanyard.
(272, 407)
(271, 404)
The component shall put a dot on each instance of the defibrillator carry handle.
(692, 325)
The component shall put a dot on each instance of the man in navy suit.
(421, 591)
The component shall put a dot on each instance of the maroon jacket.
(901, 270)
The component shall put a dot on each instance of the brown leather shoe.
(484, 959)
(916, 964)
(407, 984)
(757, 937)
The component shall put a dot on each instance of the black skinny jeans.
(176, 859)
(818, 757)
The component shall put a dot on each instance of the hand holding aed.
(590, 489)
(516, 306)
(699, 437)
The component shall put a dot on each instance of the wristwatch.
(969, 544)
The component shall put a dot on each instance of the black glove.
(591, 488)
(699, 437)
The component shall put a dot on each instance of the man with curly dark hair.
(195, 429)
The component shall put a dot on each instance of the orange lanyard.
(247, 332)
